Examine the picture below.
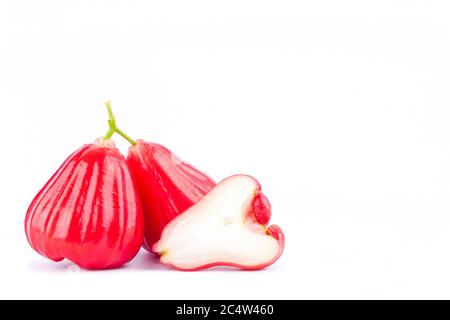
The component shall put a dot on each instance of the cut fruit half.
(228, 227)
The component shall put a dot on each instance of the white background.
(340, 108)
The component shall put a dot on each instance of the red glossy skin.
(89, 211)
(168, 186)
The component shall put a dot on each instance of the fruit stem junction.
(113, 128)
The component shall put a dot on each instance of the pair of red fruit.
(99, 208)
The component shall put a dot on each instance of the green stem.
(125, 136)
(109, 134)
(109, 109)
(113, 126)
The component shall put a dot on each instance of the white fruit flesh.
(217, 230)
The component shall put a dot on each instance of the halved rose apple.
(228, 227)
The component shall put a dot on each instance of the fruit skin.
(258, 201)
(89, 211)
(168, 186)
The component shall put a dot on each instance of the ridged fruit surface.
(168, 186)
(89, 211)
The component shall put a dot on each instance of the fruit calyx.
(113, 128)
